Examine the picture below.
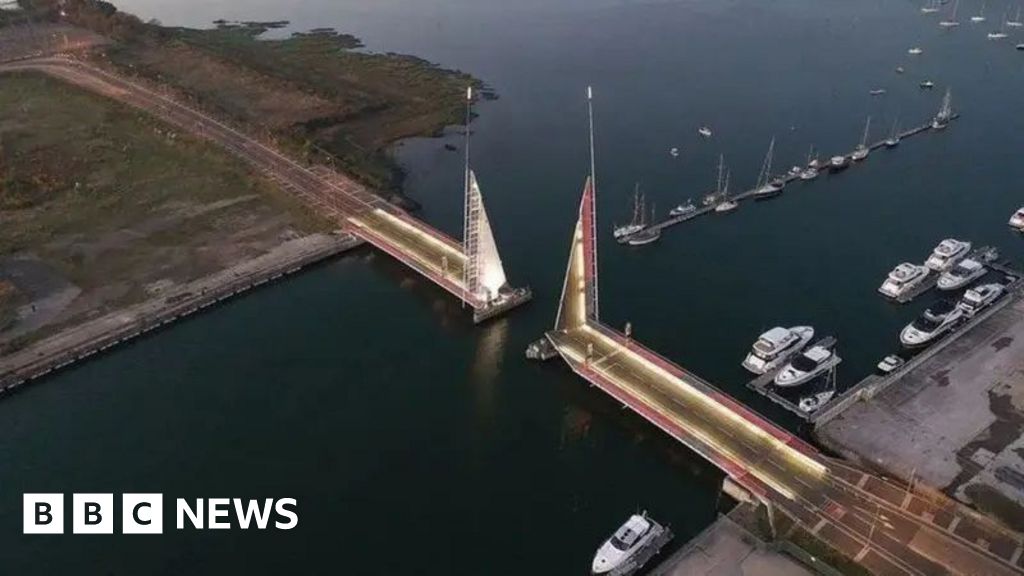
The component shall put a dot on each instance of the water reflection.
(485, 370)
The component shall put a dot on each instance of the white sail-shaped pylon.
(485, 275)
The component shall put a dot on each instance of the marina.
(791, 399)
(791, 177)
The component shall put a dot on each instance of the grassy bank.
(117, 203)
(315, 91)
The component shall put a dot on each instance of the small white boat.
(997, 35)
(927, 85)
(805, 367)
(683, 209)
(768, 187)
(877, 92)
(862, 150)
(674, 152)
(1016, 22)
(980, 17)
(900, 70)
(622, 233)
(1017, 220)
(775, 347)
(978, 298)
(1020, 46)
(704, 131)
(947, 254)
(945, 113)
(630, 547)
(915, 51)
(936, 321)
(814, 402)
(951, 22)
(890, 364)
(966, 271)
(894, 136)
(931, 7)
(903, 279)
(838, 163)
(727, 204)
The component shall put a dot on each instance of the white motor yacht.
(809, 404)
(935, 322)
(775, 347)
(1017, 220)
(947, 254)
(966, 271)
(704, 131)
(903, 279)
(632, 545)
(980, 297)
(915, 51)
(805, 367)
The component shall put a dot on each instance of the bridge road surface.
(424, 249)
(880, 526)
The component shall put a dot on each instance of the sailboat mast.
(721, 162)
(867, 128)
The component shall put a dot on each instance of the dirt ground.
(103, 206)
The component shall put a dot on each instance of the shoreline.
(122, 326)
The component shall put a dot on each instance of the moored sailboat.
(861, 151)
(945, 113)
(767, 186)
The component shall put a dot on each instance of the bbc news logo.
(144, 513)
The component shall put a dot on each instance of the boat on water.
(767, 186)
(890, 364)
(621, 233)
(683, 209)
(951, 22)
(1017, 220)
(931, 7)
(966, 271)
(645, 235)
(980, 16)
(947, 254)
(980, 297)
(1016, 23)
(727, 204)
(945, 113)
(635, 542)
(811, 171)
(838, 164)
(814, 402)
(900, 70)
(674, 152)
(894, 136)
(937, 320)
(915, 51)
(774, 348)
(877, 92)
(862, 150)
(1020, 46)
(927, 85)
(807, 366)
(704, 131)
(903, 279)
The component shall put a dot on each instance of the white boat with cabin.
(980, 16)
(1017, 220)
(980, 297)
(805, 367)
(814, 402)
(775, 347)
(903, 279)
(947, 254)
(937, 320)
(966, 271)
(951, 22)
(890, 364)
(1016, 22)
(630, 547)
(683, 209)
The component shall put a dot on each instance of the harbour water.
(418, 443)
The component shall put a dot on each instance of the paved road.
(880, 525)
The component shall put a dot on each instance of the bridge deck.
(781, 469)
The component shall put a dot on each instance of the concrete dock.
(84, 340)
(954, 421)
